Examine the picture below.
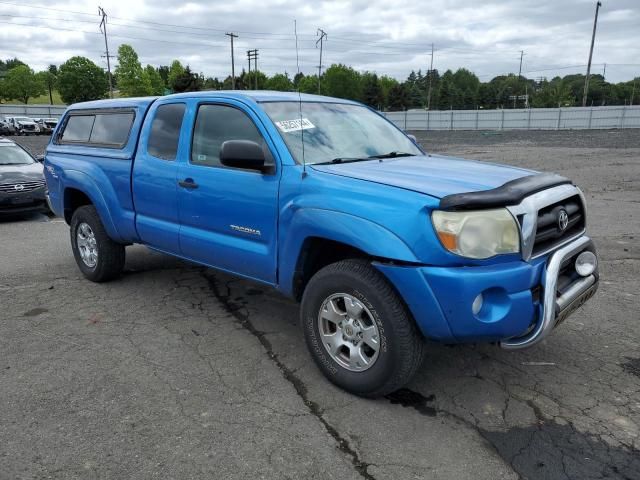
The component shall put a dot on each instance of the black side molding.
(511, 193)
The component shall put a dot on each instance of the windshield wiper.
(370, 157)
(393, 155)
(345, 160)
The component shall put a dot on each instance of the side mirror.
(39, 158)
(412, 138)
(242, 154)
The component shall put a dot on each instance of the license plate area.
(562, 315)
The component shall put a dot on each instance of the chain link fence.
(519, 119)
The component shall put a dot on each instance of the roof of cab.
(114, 103)
(251, 95)
(262, 96)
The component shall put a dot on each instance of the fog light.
(586, 263)
(477, 304)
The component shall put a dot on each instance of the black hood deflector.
(511, 193)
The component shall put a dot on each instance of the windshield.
(14, 155)
(333, 131)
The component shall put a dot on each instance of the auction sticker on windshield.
(288, 126)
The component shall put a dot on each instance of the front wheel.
(99, 258)
(358, 330)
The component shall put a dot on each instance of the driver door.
(228, 216)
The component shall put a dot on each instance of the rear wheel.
(358, 330)
(99, 258)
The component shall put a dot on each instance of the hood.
(26, 122)
(434, 175)
(21, 173)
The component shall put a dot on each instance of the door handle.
(188, 183)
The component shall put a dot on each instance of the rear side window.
(78, 128)
(107, 129)
(165, 131)
(111, 129)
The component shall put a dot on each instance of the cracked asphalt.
(177, 371)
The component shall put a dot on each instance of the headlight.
(477, 234)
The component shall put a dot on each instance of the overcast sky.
(388, 37)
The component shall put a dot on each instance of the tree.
(10, 63)
(211, 83)
(155, 80)
(386, 84)
(341, 81)
(249, 80)
(81, 80)
(163, 71)
(176, 70)
(22, 84)
(49, 77)
(187, 82)
(372, 91)
(308, 84)
(398, 97)
(297, 79)
(280, 82)
(132, 79)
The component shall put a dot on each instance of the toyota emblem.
(563, 220)
(19, 187)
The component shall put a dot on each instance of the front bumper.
(23, 202)
(558, 305)
(522, 301)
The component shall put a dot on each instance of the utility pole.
(253, 55)
(593, 38)
(323, 35)
(249, 60)
(519, 75)
(233, 68)
(103, 29)
(430, 80)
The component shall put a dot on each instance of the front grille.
(548, 231)
(21, 187)
(28, 127)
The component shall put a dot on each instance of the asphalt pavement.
(178, 371)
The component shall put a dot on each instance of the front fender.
(365, 235)
(83, 182)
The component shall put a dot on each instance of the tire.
(110, 257)
(400, 348)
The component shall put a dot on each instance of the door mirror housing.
(412, 138)
(242, 154)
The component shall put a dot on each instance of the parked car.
(22, 183)
(47, 125)
(6, 128)
(24, 125)
(327, 201)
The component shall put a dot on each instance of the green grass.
(41, 100)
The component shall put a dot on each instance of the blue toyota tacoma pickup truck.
(324, 199)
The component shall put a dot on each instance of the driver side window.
(215, 124)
